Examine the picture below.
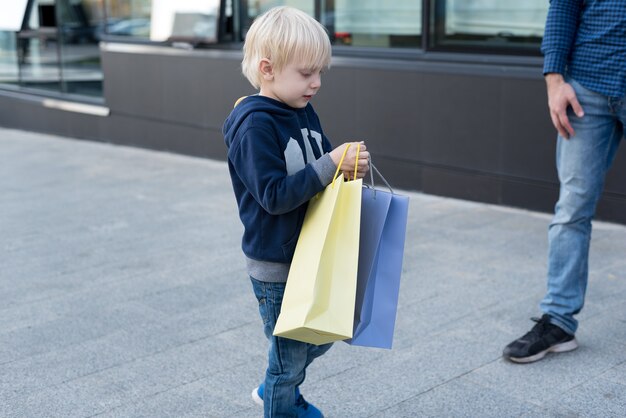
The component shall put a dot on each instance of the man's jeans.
(288, 359)
(582, 163)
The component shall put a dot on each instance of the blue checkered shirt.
(587, 40)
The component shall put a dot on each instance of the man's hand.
(561, 95)
(347, 167)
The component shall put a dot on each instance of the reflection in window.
(374, 23)
(186, 20)
(56, 49)
(9, 72)
(12, 15)
(53, 44)
(128, 18)
(193, 21)
(38, 48)
(371, 23)
(258, 7)
(491, 23)
(79, 24)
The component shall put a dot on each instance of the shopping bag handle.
(343, 156)
(372, 169)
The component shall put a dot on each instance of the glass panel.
(184, 20)
(230, 23)
(79, 22)
(374, 23)
(164, 20)
(128, 18)
(255, 8)
(491, 23)
(8, 58)
(38, 48)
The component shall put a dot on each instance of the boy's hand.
(347, 167)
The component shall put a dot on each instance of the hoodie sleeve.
(325, 167)
(259, 163)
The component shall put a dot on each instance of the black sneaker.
(544, 338)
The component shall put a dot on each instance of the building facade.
(448, 94)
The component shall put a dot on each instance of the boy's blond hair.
(284, 35)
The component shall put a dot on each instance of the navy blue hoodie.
(277, 158)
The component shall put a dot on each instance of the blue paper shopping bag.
(381, 250)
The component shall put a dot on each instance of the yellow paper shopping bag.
(318, 304)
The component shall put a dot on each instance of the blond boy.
(279, 158)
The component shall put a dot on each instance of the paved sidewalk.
(123, 294)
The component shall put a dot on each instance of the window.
(496, 25)
(52, 45)
(191, 21)
(55, 48)
(11, 20)
(38, 48)
(12, 15)
(79, 22)
(504, 26)
(128, 18)
(9, 72)
(258, 7)
(367, 23)
(373, 23)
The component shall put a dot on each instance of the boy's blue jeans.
(582, 163)
(288, 359)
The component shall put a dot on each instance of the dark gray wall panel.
(401, 174)
(30, 114)
(462, 121)
(612, 207)
(526, 133)
(539, 196)
(387, 112)
(616, 180)
(335, 102)
(475, 131)
(9, 113)
(164, 136)
(178, 88)
(461, 185)
(132, 86)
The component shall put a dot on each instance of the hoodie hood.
(251, 104)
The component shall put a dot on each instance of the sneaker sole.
(557, 348)
(256, 398)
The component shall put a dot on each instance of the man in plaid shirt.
(585, 70)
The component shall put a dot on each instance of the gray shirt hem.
(267, 271)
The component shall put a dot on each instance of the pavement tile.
(461, 398)
(598, 398)
(124, 294)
